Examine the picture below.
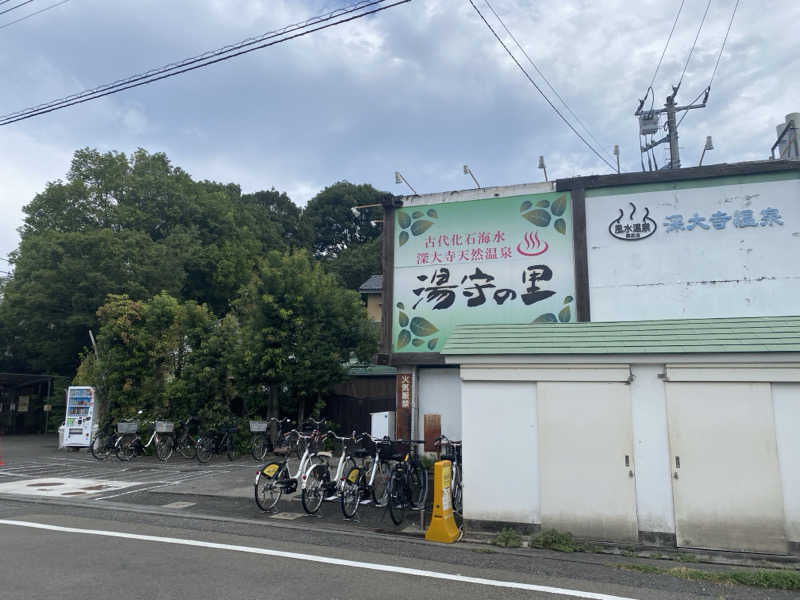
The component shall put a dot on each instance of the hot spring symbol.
(632, 231)
(533, 245)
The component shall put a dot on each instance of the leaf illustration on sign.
(403, 338)
(559, 205)
(560, 226)
(543, 203)
(564, 315)
(403, 237)
(546, 318)
(432, 343)
(422, 327)
(420, 226)
(403, 219)
(417, 214)
(525, 206)
(539, 217)
(433, 214)
(403, 319)
(418, 342)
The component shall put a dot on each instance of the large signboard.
(494, 260)
(718, 248)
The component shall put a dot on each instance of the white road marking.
(179, 505)
(62, 486)
(545, 589)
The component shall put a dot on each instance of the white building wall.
(786, 399)
(651, 450)
(500, 454)
(695, 273)
(440, 393)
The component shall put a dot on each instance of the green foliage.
(301, 328)
(334, 227)
(763, 578)
(552, 539)
(508, 538)
(356, 263)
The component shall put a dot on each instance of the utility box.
(383, 424)
(80, 416)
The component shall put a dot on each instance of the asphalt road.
(206, 539)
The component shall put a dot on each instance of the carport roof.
(678, 336)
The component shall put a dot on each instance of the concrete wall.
(651, 450)
(374, 306)
(500, 403)
(702, 272)
(786, 399)
(440, 393)
(500, 454)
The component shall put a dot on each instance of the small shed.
(679, 432)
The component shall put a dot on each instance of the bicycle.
(319, 485)
(273, 479)
(261, 442)
(369, 482)
(185, 436)
(408, 483)
(453, 454)
(130, 444)
(104, 442)
(216, 441)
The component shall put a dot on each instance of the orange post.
(443, 526)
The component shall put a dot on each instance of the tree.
(145, 348)
(335, 227)
(354, 265)
(300, 328)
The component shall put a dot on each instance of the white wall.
(729, 272)
(440, 393)
(786, 399)
(501, 461)
(651, 450)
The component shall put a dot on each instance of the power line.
(538, 89)
(33, 14)
(663, 52)
(714, 72)
(530, 60)
(8, 10)
(691, 50)
(203, 60)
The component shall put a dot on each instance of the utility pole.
(648, 125)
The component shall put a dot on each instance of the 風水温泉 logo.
(632, 229)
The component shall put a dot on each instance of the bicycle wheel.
(259, 447)
(380, 484)
(418, 486)
(186, 446)
(102, 446)
(314, 490)
(397, 497)
(204, 448)
(457, 490)
(126, 447)
(351, 492)
(164, 447)
(230, 448)
(270, 485)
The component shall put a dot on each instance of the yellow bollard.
(443, 526)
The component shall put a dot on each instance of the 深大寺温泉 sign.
(494, 260)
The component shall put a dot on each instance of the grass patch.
(763, 578)
(508, 538)
(560, 541)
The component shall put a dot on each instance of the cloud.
(422, 88)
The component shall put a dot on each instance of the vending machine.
(80, 416)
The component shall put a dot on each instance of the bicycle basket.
(258, 426)
(128, 427)
(165, 426)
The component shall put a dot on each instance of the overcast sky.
(422, 88)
